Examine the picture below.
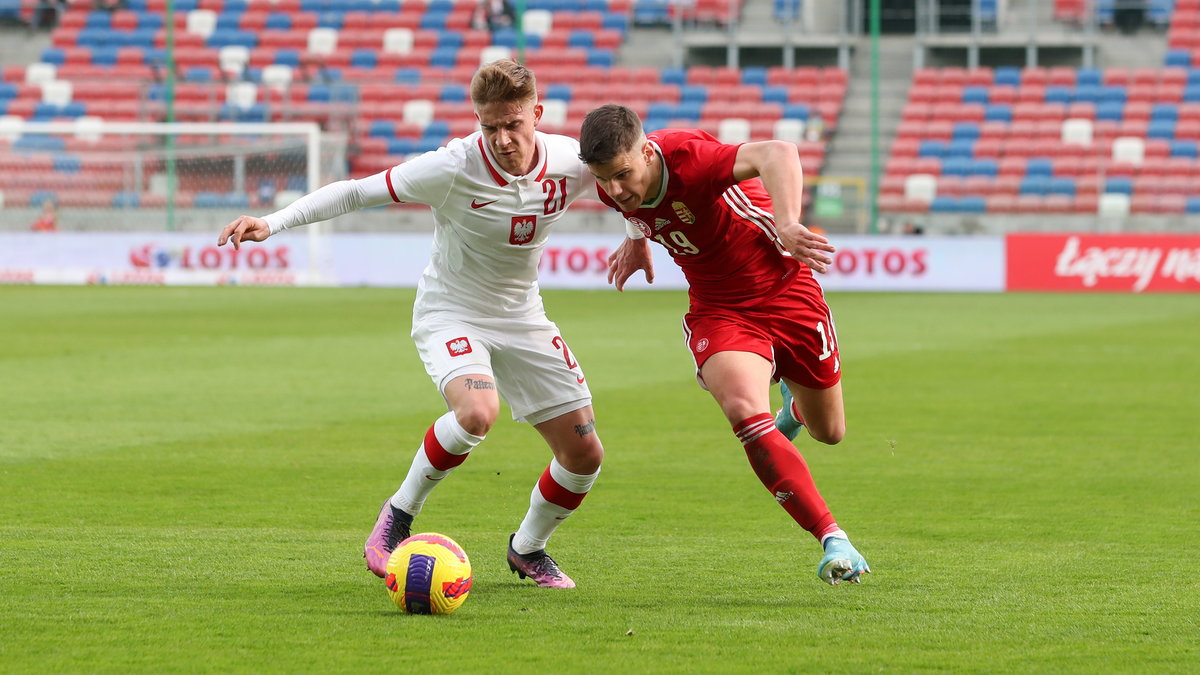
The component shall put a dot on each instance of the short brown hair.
(608, 131)
(503, 81)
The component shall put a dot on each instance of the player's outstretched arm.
(245, 228)
(632, 255)
(778, 164)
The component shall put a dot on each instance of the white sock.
(446, 445)
(556, 496)
(836, 533)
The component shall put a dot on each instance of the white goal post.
(92, 176)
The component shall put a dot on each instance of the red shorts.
(794, 331)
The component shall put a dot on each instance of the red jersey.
(720, 232)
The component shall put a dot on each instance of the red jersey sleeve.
(698, 159)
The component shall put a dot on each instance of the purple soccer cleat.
(392, 527)
(538, 566)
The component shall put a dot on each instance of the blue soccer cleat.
(842, 562)
(785, 420)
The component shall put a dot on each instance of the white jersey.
(490, 226)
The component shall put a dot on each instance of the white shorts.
(535, 371)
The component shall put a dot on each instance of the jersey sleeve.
(330, 201)
(426, 179)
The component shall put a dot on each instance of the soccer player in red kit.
(730, 217)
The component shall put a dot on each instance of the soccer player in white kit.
(478, 321)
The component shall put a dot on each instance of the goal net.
(137, 200)
(139, 176)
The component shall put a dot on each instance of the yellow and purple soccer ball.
(428, 574)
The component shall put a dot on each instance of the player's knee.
(584, 456)
(478, 418)
(830, 433)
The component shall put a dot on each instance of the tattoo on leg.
(585, 429)
(478, 384)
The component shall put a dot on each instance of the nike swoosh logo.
(477, 205)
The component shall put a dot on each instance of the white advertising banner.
(863, 263)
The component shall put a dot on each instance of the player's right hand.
(632, 255)
(245, 228)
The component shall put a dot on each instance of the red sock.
(785, 474)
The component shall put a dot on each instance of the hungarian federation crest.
(684, 213)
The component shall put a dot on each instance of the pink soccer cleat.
(538, 566)
(392, 527)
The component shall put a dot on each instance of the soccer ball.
(428, 574)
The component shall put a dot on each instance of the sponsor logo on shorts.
(523, 229)
(782, 496)
(702, 344)
(641, 226)
(684, 213)
(458, 346)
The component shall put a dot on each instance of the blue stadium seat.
(1039, 166)
(453, 93)
(1164, 129)
(1164, 111)
(603, 58)
(560, 92)
(364, 58)
(756, 75)
(126, 200)
(408, 75)
(40, 196)
(775, 95)
(975, 95)
(693, 93)
(1184, 149)
(1087, 93)
(1113, 94)
(673, 76)
(287, 57)
(1193, 204)
(1089, 76)
(104, 56)
(1178, 57)
(279, 21)
(965, 130)
(796, 111)
(67, 163)
(1035, 185)
(931, 148)
(961, 148)
(972, 204)
(998, 112)
(956, 166)
(1061, 185)
(944, 204)
(1007, 75)
(985, 167)
(330, 20)
(1110, 111)
(54, 55)
(1057, 95)
(1119, 184)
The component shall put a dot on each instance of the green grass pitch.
(187, 477)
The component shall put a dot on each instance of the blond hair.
(503, 81)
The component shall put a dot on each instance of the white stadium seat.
(233, 58)
(57, 92)
(1129, 149)
(418, 111)
(201, 22)
(1077, 131)
(1113, 205)
(733, 130)
(322, 40)
(921, 187)
(398, 41)
(789, 130)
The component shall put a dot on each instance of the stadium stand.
(392, 76)
(1047, 140)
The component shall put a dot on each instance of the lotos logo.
(523, 229)
(684, 213)
(457, 588)
(458, 346)
(210, 257)
(641, 226)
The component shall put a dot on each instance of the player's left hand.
(632, 255)
(807, 246)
